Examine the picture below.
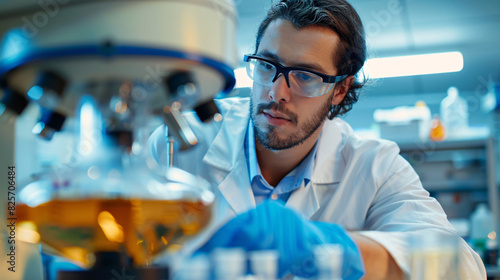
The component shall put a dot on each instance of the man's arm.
(379, 264)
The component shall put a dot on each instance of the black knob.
(206, 111)
(13, 100)
(52, 119)
(49, 123)
(49, 80)
(177, 79)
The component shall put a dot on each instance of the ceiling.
(402, 27)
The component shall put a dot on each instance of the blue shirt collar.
(300, 173)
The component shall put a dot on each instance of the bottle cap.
(229, 262)
(452, 91)
(264, 263)
(420, 103)
(329, 256)
(195, 268)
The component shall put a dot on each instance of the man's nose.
(280, 92)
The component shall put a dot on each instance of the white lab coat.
(362, 184)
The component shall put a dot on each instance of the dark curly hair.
(339, 16)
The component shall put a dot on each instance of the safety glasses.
(301, 81)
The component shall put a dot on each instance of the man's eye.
(265, 66)
(304, 77)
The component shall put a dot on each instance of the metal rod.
(170, 151)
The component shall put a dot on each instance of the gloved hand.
(272, 226)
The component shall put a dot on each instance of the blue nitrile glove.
(272, 226)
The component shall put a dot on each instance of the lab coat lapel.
(326, 170)
(328, 165)
(227, 159)
(236, 188)
(304, 200)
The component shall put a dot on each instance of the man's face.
(281, 118)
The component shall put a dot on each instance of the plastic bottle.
(196, 268)
(437, 131)
(481, 226)
(328, 259)
(264, 264)
(454, 113)
(434, 256)
(229, 263)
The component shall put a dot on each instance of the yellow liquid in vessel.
(141, 228)
(437, 131)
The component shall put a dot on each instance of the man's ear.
(341, 89)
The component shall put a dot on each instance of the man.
(287, 144)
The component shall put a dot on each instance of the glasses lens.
(261, 72)
(308, 84)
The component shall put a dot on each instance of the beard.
(269, 135)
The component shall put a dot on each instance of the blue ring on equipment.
(110, 51)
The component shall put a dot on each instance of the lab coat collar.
(305, 199)
(227, 147)
(329, 153)
(226, 155)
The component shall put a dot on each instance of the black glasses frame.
(286, 70)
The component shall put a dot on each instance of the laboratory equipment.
(264, 264)
(105, 74)
(404, 123)
(434, 256)
(194, 268)
(454, 113)
(328, 258)
(438, 130)
(229, 263)
(481, 229)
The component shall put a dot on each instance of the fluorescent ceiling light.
(398, 66)
(412, 65)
